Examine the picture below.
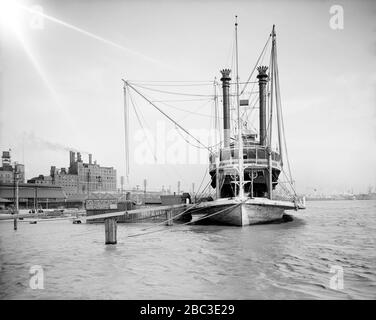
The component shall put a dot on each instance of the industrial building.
(80, 178)
(8, 170)
(33, 195)
(91, 176)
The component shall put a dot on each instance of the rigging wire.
(191, 112)
(187, 141)
(146, 136)
(171, 92)
(167, 81)
(142, 127)
(254, 68)
(231, 49)
(178, 215)
(176, 128)
(282, 122)
(167, 116)
(253, 86)
(186, 223)
(171, 85)
(149, 84)
(206, 171)
(180, 100)
(177, 93)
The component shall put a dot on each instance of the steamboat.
(245, 170)
(246, 164)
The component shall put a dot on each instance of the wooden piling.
(169, 221)
(15, 223)
(110, 226)
(16, 176)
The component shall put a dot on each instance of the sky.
(61, 87)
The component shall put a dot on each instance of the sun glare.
(10, 14)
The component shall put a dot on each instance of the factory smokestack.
(263, 80)
(90, 158)
(226, 106)
(71, 157)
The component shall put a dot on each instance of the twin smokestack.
(72, 157)
(263, 80)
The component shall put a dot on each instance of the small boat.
(33, 222)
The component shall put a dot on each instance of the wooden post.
(17, 208)
(15, 223)
(110, 226)
(252, 183)
(169, 221)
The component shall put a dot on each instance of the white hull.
(244, 212)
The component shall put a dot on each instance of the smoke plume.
(42, 143)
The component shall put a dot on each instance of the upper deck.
(254, 156)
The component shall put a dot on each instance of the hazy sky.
(61, 87)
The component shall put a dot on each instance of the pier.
(166, 213)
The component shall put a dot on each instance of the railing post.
(110, 227)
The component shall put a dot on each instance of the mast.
(277, 97)
(240, 140)
(270, 176)
(218, 147)
(126, 131)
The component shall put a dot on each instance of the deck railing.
(254, 155)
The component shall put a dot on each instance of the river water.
(291, 260)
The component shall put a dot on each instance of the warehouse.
(33, 195)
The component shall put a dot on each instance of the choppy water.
(275, 261)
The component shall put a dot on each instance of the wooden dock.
(167, 213)
(141, 214)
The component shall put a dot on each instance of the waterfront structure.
(7, 170)
(33, 195)
(80, 178)
(91, 177)
(175, 199)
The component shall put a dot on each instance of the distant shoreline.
(337, 199)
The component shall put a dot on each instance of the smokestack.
(6, 158)
(226, 106)
(263, 80)
(71, 157)
(90, 158)
(122, 183)
(178, 187)
(79, 159)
